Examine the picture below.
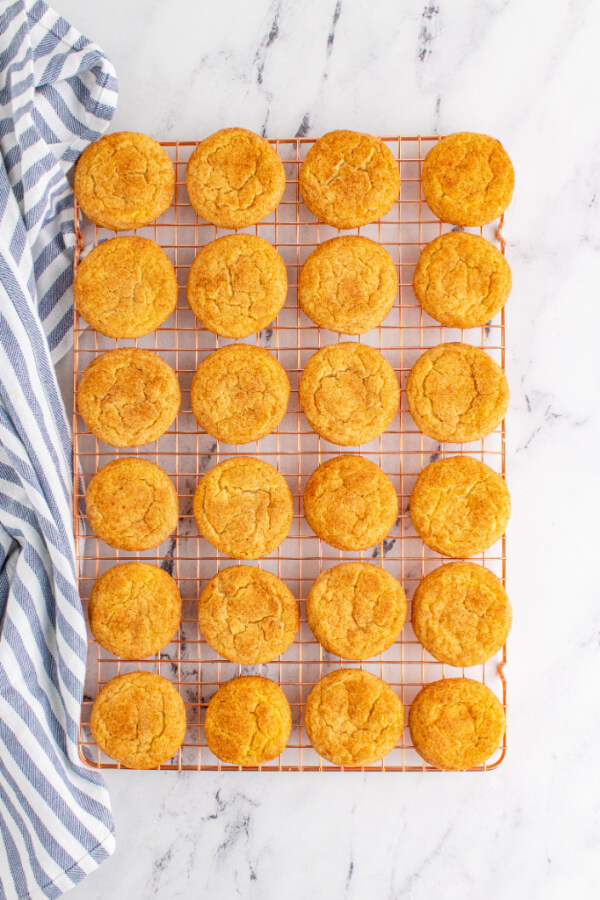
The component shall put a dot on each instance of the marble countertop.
(531, 77)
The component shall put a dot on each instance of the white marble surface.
(529, 74)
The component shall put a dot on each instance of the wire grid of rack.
(185, 452)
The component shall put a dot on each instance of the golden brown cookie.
(456, 393)
(124, 180)
(247, 615)
(243, 507)
(134, 610)
(462, 280)
(125, 287)
(356, 610)
(349, 393)
(459, 506)
(350, 503)
(131, 504)
(234, 178)
(456, 723)
(348, 284)
(248, 721)
(237, 285)
(128, 397)
(353, 718)
(468, 179)
(349, 179)
(461, 614)
(139, 720)
(240, 393)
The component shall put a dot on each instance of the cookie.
(349, 393)
(125, 287)
(350, 503)
(247, 615)
(456, 723)
(243, 507)
(461, 614)
(139, 720)
(462, 280)
(348, 285)
(353, 718)
(349, 179)
(456, 393)
(248, 721)
(356, 610)
(468, 179)
(128, 397)
(234, 178)
(134, 610)
(237, 285)
(131, 504)
(124, 180)
(459, 506)
(239, 394)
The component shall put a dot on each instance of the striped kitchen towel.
(58, 92)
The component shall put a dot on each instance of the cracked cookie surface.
(239, 394)
(139, 720)
(356, 610)
(349, 393)
(134, 610)
(461, 614)
(468, 179)
(131, 504)
(459, 506)
(350, 503)
(248, 615)
(124, 180)
(243, 507)
(353, 718)
(237, 285)
(462, 280)
(125, 287)
(234, 178)
(456, 393)
(248, 721)
(456, 723)
(349, 179)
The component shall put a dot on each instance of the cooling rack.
(185, 452)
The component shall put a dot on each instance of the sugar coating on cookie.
(237, 285)
(234, 178)
(349, 179)
(456, 393)
(350, 503)
(456, 723)
(356, 610)
(461, 614)
(349, 393)
(459, 506)
(468, 179)
(353, 718)
(243, 507)
(125, 287)
(462, 280)
(248, 721)
(248, 615)
(124, 180)
(139, 720)
(131, 504)
(348, 285)
(134, 610)
(239, 393)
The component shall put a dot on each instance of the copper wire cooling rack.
(185, 452)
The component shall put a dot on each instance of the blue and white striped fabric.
(58, 92)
